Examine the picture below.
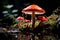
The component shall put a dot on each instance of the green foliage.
(52, 19)
(51, 22)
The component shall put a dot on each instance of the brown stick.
(33, 19)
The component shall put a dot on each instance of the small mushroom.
(42, 18)
(27, 20)
(20, 18)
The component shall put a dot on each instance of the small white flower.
(5, 12)
(9, 6)
(13, 11)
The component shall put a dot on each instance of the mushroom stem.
(33, 19)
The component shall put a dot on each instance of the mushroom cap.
(27, 20)
(20, 18)
(35, 8)
(42, 18)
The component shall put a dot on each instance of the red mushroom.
(27, 20)
(20, 18)
(33, 9)
(42, 18)
(21, 21)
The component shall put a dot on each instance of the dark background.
(47, 5)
